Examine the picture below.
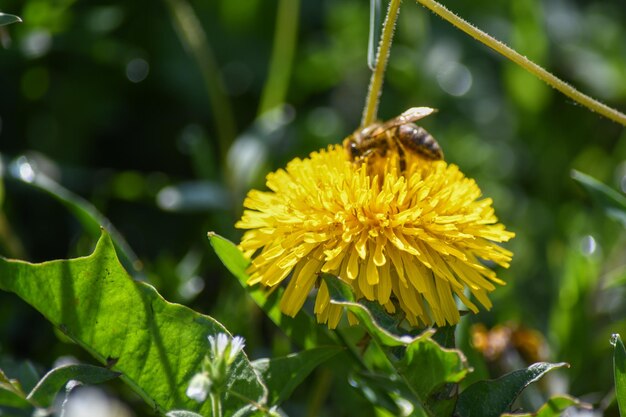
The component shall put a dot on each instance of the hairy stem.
(524, 62)
(376, 81)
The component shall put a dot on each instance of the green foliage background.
(105, 100)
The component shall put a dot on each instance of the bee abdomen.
(418, 140)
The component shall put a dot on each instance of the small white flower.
(218, 345)
(236, 346)
(223, 347)
(199, 387)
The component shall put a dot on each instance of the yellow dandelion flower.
(412, 239)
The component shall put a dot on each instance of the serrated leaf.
(283, 375)
(554, 407)
(44, 392)
(378, 324)
(612, 202)
(156, 345)
(432, 373)
(493, 397)
(7, 19)
(619, 372)
(302, 329)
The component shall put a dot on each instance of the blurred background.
(160, 116)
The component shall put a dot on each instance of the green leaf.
(379, 390)
(283, 375)
(445, 336)
(11, 385)
(7, 19)
(85, 212)
(554, 407)
(612, 202)
(230, 255)
(619, 371)
(156, 345)
(22, 374)
(432, 372)
(475, 359)
(182, 413)
(302, 329)
(428, 371)
(11, 393)
(373, 317)
(493, 397)
(11, 399)
(44, 392)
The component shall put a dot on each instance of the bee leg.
(401, 159)
(367, 153)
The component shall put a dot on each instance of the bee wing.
(409, 116)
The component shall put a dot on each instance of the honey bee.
(399, 134)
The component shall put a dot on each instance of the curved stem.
(376, 81)
(524, 62)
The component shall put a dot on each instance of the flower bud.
(199, 387)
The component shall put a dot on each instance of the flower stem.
(376, 81)
(216, 405)
(524, 62)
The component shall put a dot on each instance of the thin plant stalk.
(374, 36)
(194, 39)
(216, 405)
(524, 62)
(376, 81)
(279, 72)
